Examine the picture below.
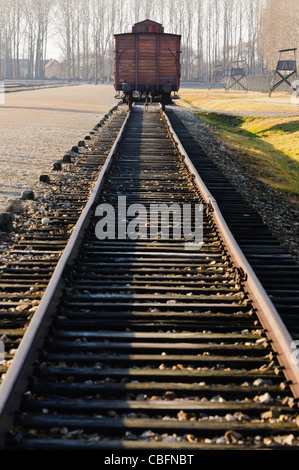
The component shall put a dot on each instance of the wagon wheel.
(130, 102)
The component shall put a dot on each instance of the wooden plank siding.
(147, 59)
(125, 59)
(169, 60)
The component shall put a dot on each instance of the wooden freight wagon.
(147, 63)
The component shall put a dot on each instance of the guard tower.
(285, 69)
(217, 75)
(237, 75)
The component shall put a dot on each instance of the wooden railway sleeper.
(61, 375)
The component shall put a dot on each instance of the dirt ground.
(240, 102)
(37, 127)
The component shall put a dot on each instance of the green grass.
(269, 147)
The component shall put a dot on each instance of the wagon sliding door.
(125, 60)
(146, 60)
(157, 61)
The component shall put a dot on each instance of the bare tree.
(65, 9)
(10, 37)
(199, 25)
(213, 31)
(85, 28)
(42, 9)
(280, 28)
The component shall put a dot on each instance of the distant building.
(12, 68)
(53, 69)
(23, 68)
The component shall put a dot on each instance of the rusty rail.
(275, 329)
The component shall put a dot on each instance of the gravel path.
(39, 126)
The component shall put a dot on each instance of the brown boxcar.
(147, 63)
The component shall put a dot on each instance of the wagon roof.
(139, 28)
(148, 22)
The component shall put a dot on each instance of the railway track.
(275, 267)
(142, 344)
(27, 267)
(31, 85)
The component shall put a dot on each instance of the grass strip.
(269, 147)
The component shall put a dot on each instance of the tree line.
(214, 34)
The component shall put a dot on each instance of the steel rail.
(275, 330)
(12, 388)
(17, 376)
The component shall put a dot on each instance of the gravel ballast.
(34, 139)
(278, 213)
(39, 126)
